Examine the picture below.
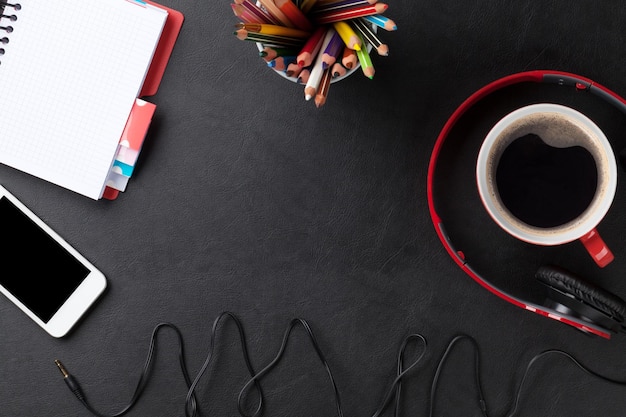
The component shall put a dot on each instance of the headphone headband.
(539, 76)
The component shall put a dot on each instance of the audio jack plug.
(70, 381)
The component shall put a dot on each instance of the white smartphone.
(41, 273)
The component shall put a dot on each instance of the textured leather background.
(249, 199)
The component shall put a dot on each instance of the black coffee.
(544, 186)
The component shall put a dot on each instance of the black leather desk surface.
(249, 199)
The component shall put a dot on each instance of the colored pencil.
(332, 50)
(316, 70)
(294, 14)
(366, 62)
(349, 58)
(325, 2)
(268, 53)
(338, 70)
(273, 30)
(280, 63)
(340, 4)
(349, 36)
(273, 10)
(311, 47)
(257, 11)
(268, 39)
(293, 70)
(303, 77)
(369, 36)
(244, 15)
(348, 13)
(381, 21)
(322, 91)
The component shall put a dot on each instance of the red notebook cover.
(171, 29)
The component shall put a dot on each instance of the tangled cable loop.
(393, 393)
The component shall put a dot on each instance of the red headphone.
(571, 299)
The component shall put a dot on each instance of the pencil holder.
(315, 42)
(341, 72)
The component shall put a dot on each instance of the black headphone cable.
(74, 386)
(518, 393)
(191, 408)
(392, 393)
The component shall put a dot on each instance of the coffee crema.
(545, 186)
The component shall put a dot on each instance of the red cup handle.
(597, 248)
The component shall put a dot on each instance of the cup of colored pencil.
(315, 42)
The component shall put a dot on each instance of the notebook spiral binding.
(5, 22)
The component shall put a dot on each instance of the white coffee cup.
(559, 128)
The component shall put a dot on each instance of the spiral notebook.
(70, 74)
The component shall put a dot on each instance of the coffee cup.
(547, 175)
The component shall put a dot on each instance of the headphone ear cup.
(571, 294)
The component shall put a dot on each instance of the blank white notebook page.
(69, 76)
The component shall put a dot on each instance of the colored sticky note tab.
(122, 168)
(117, 181)
(127, 155)
(137, 124)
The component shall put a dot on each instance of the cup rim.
(570, 231)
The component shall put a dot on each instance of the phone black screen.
(36, 269)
